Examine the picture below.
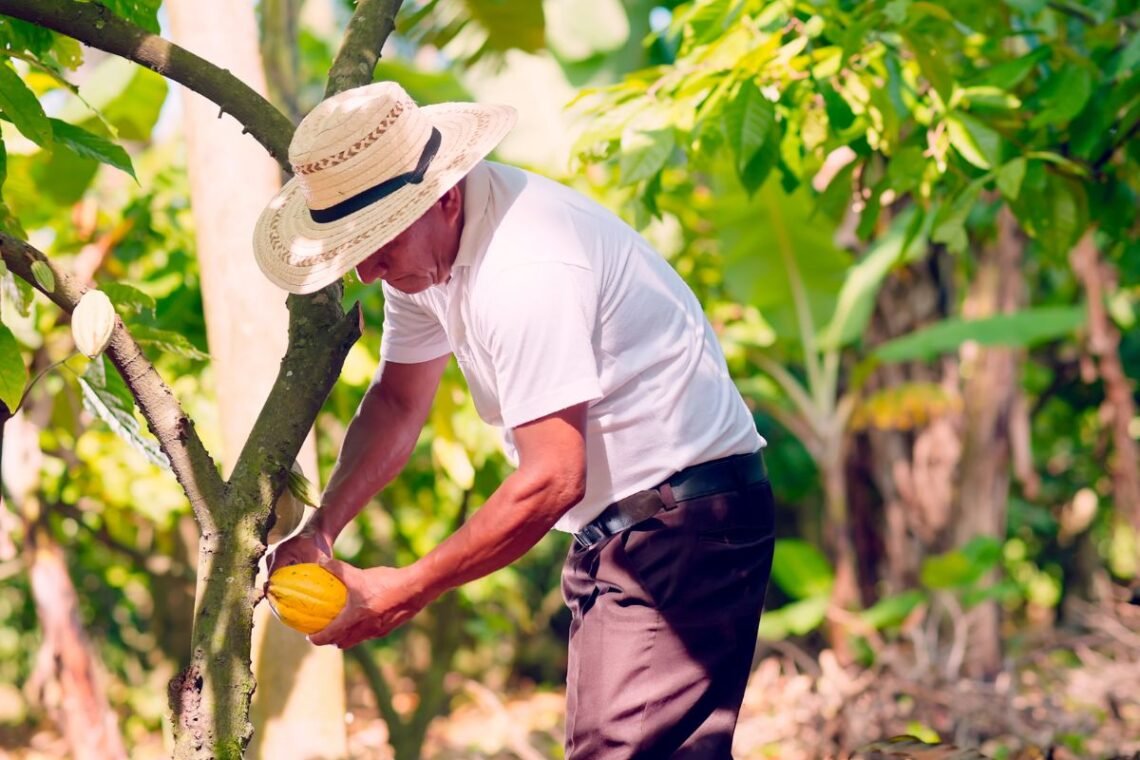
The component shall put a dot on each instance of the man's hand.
(309, 545)
(380, 600)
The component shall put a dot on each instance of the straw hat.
(367, 163)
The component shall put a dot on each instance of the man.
(591, 356)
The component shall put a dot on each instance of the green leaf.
(891, 611)
(1063, 96)
(90, 145)
(644, 153)
(757, 170)
(748, 121)
(929, 55)
(794, 619)
(127, 299)
(857, 298)
(141, 12)
(168, 341)
(801, 570)
(13, 373)
(961, 567)
(1009, 74)
(302, 488)
(106, 396)
(1024, 328)
(974, 140)
(128, 97)
(987, 96)
(1055, 215)
(1010, 176)
(21, 105)
(43, 276)
(950, 220)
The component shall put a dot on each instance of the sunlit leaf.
(892, 610)
(107, 397)
(978, 143)
(793, 619)
(801, 570)
(1010, 177)
(90, 145)
(168, 341)
(23, 108)
(643, 154)
(13, 372)
(1023, 328)
(43, 276)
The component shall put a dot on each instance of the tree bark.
(990, 393)
(298, 708)
(1103, 343)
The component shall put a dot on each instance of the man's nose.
(369, 271)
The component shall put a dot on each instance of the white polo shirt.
(553, 301)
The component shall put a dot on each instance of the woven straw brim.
(303, 256)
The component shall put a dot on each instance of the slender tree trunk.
(298, 708)
(990, 393)
(1120, 409)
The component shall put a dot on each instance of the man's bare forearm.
(379, 440)
(516, 517)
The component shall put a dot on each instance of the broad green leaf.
(1009, 74)
(106, 396)
(801, 570)
(754, 174)
(3, 162)
(128, 300)
(950, 220)
(1055, 215)
(1024, 328)
(644, 153)
(1063, 95)
(21, 105)
(128, 97)
(748, 121)
(168, 341)
(932, 62)
(794, 619)
(90, 145)
(895, 11)
(961, 567)
(144, 13)
(892, 610)
(857, 298)
(25, 37)
(772, 244)
(43, 276)
(424, 86)
(13, 373)
(987, 96)
(974, 140)
(1010, 176)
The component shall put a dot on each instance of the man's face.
(421, 256)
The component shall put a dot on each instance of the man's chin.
(411, 285)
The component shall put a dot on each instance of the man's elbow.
(560, 488)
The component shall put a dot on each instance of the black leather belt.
(727, 474)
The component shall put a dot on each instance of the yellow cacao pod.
(92, 323)
(306, 597)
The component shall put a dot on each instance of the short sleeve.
(540, 335)
(411, 334)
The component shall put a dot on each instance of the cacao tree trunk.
(298, 709)
(990, 393)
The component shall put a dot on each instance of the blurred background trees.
(913, 224)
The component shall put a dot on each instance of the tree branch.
(367, 31)
(191, 463)
(96, 26)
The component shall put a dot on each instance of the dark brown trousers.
(664, 627)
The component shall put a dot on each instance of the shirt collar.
(476, 197)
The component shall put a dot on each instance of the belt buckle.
(589, 535)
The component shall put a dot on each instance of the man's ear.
(452, 203)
